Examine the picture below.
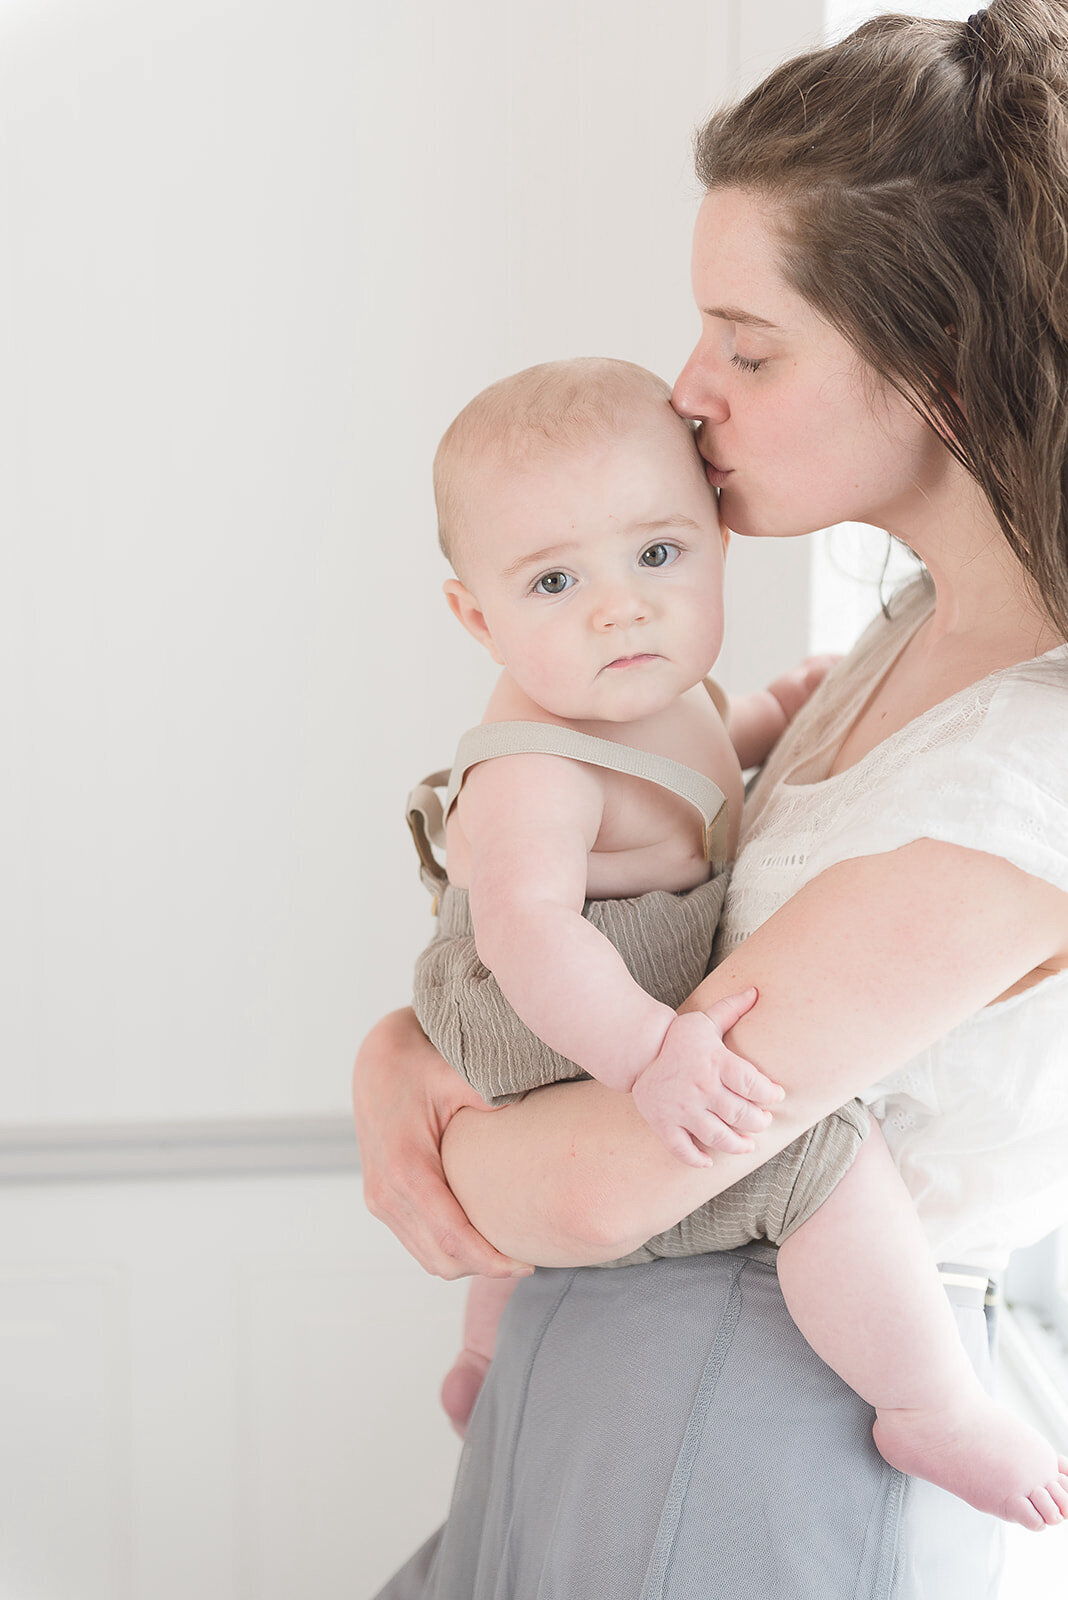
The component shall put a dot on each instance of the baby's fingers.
(702, 1133)
(677, 1142)
(731, 1009)
(748, 1082)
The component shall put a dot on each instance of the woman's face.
(799, 433)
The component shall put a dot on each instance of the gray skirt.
(665, 1433)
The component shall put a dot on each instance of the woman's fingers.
(404, 1097)
(421, 1209)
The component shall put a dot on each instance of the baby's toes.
(1045, 1505)
(1058, 1490)
(1020, 1509)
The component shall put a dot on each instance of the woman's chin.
(750, 524)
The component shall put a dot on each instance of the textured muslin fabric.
(666, 1433)
(771, 1202)
(665, 940)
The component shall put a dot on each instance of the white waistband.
(979, 1281)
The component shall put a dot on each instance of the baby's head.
(575, 510)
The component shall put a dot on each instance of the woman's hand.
(403, 1097)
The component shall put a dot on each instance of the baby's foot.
(460, 1389)
(978, 1451)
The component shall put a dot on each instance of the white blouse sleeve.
(999, 784)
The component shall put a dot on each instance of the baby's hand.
(793, 688)
(696, 1096)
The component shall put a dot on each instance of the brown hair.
(922, 172)
(555, 405)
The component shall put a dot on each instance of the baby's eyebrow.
(536, 556)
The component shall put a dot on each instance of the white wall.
(258, 254)
(215, 1390)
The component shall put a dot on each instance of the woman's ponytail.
(1018, 54)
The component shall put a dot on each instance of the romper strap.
(426, 815)
(547, 738)
(718, 697)
(427, 823)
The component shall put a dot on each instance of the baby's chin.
(620, 701)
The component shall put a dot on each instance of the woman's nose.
(696, 396)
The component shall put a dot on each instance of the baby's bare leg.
(486, 1300)
(859, 1282)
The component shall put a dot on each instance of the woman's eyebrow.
(736, 314)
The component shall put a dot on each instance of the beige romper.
(665, 940)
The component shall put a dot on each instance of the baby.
(587, 824)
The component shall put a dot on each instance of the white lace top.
(978, 1123)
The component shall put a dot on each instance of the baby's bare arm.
(757, 721)
(531, 821)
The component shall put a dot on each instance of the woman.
(879, 264)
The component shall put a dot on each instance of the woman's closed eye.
(748, 363)
(659, 555)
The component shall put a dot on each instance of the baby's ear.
(466, 609)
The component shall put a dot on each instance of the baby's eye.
(659, 555)
(553, 583)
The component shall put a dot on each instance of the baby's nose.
(620, 608)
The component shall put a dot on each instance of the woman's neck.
(984, 602)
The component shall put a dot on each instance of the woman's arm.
(857, 973)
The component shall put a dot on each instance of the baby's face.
(597, 572)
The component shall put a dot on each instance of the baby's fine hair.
(557, 405)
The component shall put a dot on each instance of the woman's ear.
(465, 608)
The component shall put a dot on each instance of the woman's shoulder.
(986, 769)
(1026, 723)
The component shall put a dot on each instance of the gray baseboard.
(81, 1152)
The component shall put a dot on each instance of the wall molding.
(220, 1147)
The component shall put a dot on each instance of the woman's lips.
(717, 476)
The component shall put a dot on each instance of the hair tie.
(974, 25)
(972, 51)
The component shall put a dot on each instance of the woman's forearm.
(571, 1174)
